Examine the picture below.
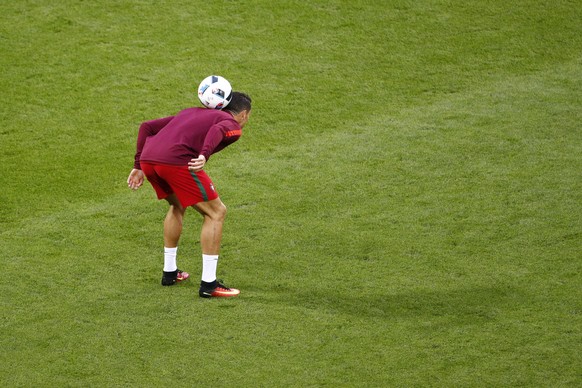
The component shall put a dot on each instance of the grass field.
(405, 206)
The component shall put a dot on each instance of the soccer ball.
(215, 92)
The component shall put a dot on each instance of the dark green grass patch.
(404, 206)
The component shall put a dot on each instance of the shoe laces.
(220, 285)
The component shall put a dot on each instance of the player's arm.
(146, 129)
(222, 132)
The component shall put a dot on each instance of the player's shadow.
(462, 305)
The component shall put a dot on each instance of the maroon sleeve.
(219, 136)
(147, 129)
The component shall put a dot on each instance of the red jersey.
(192, 132)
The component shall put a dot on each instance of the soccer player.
(171, 154)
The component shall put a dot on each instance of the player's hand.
(135, 179)
(197, 164)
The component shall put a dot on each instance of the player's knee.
(214, 210)
(221, 212)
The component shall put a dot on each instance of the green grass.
(405, 206)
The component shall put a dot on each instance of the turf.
(404, 206)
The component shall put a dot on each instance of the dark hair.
(238, 102)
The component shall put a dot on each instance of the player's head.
(238, 102)
(239, 107)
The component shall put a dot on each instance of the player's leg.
(156, 175)
(214, 213)
(173, 222)
(172, 232)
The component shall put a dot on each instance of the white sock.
(209, 264)
(170, 259)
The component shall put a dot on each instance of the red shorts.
(189, 187)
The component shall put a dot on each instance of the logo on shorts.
(212, 187)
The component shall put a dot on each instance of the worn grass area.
(404, 206)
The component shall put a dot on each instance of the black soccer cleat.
(216, 289)
(171, 278)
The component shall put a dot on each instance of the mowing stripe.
(200, 186)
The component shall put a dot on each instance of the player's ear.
(243, 117)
